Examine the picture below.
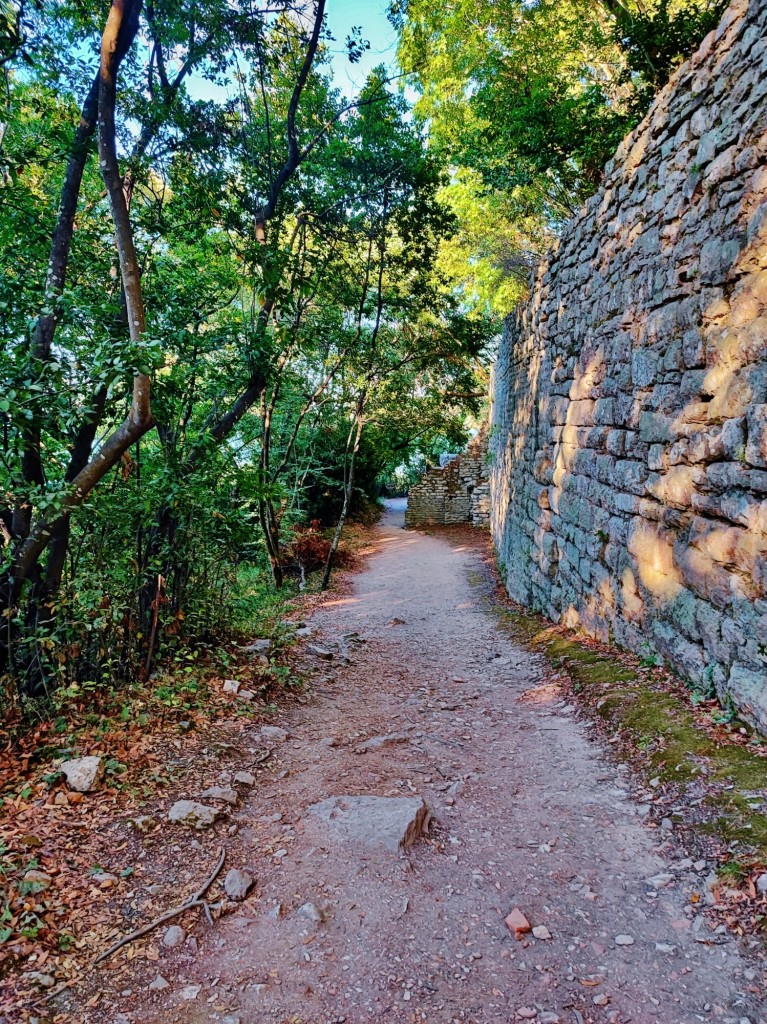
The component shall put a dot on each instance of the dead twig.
(196, 900)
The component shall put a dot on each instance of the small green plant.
(732, 871)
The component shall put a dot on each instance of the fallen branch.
(197, 900)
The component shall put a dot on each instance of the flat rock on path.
(392, 822)
(529, 814)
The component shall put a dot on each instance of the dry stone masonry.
(458, 492)
(628, 443)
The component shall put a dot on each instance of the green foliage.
(528, 99)
(287, 301)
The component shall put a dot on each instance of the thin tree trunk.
(121, 25)
(41, 602)
(348, 493)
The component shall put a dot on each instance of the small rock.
(517, 923)
(273, 732)
(61, 799)
(660, 881)
(624, 940)
(761, 883)
(329, 741)
(527, 1013)
(190, 992)
(261, 646)
(143, 823)
(667, 824)
(245, 778)
(548, 1017)
(320, 652)
(246, 695)
(379, 742)
(601, 999)
(711, 881)
(189, 812)
(192, 944)
(311, 913)
(83, 774)
(174, 936)
(40, 979)
(304, 632)
(37, 881)
(185, 726)
(223, 793)
(665, 947)
(275, 912)
(456, 788)
(237, 884)
(231, 686)
(541, 932)
(159, 984)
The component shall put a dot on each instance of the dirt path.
(536, 818)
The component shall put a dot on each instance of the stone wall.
(629, 426)
(458, 492)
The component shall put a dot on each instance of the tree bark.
(121, 25)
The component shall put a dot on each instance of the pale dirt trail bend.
(543, 821)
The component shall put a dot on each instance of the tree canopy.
(219, 290)
(528, 99)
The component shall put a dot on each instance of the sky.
(370, 15)
(341, 17)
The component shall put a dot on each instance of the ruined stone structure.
(458, 492)
(629, 426)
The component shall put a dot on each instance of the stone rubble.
(458, 492)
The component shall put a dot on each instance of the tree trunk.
(120, 29)
(348, 492)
